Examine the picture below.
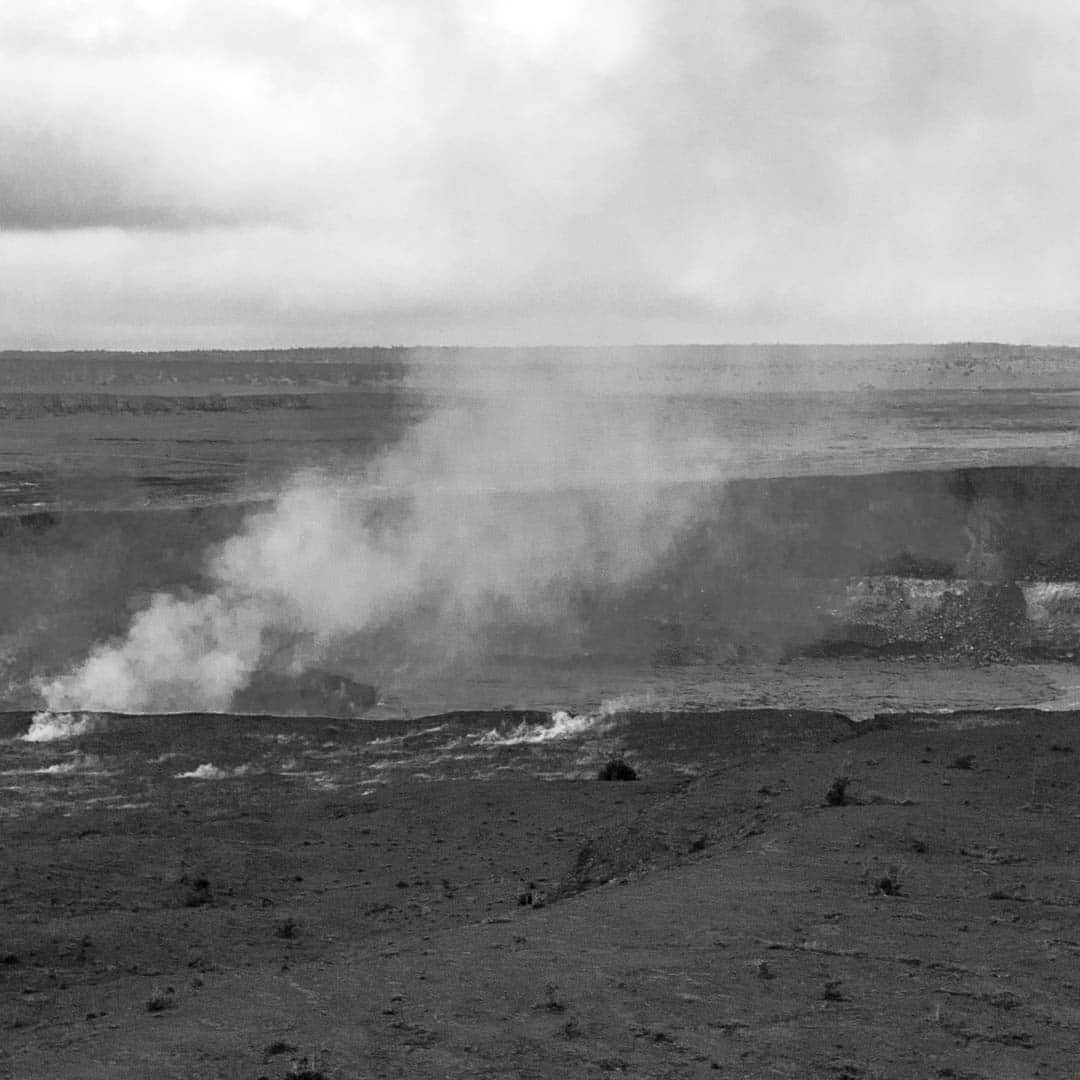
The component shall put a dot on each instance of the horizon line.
(593, 347)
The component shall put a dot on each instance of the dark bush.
(887, 884)
(551, 1003)
(837, 793)
(617, 769)
(199, 893)
(162, 1001)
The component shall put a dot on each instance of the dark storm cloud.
(507, 170)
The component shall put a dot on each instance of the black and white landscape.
(706, 465)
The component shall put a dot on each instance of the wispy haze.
(508, 171)
(499, 512)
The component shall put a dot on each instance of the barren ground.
(729, 924)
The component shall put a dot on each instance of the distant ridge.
(672, 368)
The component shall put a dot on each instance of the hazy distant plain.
(106, 430)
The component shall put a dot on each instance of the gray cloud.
(510, 171)
(47, 183)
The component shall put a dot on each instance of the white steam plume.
(530, 483)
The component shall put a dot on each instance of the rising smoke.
(529, 483)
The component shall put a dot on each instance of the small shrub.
(551, 1002)
(532, 897)
(279, 1046)
(306, 1068)
(962, 761)
(287, 928)
(837, 793)
(199, 893)
(885, 883)
(617, 769)
(162, 1001)
(832, 991)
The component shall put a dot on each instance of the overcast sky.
(280, 172)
